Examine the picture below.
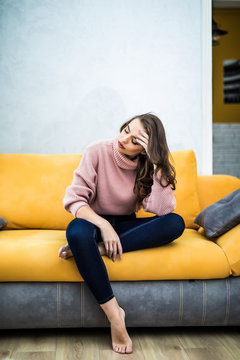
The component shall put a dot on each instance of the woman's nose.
(125, 142)
(126, 138)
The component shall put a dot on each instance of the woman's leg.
(157, 233)
(144, 233)
(148, 232)
(134, 233)
(80, 235)
(81, 238)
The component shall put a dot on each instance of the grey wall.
(226, 149)
(73, 71)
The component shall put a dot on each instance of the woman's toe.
(128, 350)
(62, 252)
(115, 347)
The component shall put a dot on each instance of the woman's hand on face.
(111, 241)
(143, 140)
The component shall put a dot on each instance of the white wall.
(73, 71)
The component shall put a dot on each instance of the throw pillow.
(221, 216)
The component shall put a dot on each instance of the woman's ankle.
(111, 309)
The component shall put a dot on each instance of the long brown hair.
(159, 154)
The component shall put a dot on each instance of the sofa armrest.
(230, 244)
(212, 188)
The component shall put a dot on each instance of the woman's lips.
(120, 145)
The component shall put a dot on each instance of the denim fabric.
(134, 234)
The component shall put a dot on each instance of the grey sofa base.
(152, 303)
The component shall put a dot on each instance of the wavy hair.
(159, 154)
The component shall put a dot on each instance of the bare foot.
(121, 341)
(65, 251)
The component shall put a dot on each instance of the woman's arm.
(160, 201)
(87, 213)
(82, 191)
(110, 237)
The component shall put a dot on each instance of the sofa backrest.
(32, 187)
(212, 188)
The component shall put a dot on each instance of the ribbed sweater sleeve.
(161, 201)
(82, 191)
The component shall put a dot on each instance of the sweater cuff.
(76, 206)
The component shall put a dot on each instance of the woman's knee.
(78, 230)
(177, 224)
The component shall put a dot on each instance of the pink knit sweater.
(104, 180)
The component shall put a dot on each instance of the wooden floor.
(190, 343)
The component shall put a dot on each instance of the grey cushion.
(3, 222)
(221, 216)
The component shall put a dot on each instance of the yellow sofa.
(32, 188)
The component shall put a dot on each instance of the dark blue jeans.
(134, 234)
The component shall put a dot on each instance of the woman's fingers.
(144, 135)
(119, 245)
(110, 249)
(142, 140)
(113, 245)
(114, 251)
(106, 246)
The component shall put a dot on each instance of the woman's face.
(128, 139)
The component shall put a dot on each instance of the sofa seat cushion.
(32, 255)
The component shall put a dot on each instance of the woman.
(114, 179)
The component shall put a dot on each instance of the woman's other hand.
(111, 241)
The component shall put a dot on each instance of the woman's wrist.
(103, 224)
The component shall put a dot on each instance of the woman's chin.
(131, 157)
(121, 150)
